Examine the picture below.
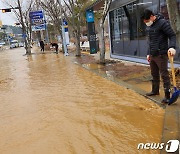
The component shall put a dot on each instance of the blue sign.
(24, 35)
(36, 14)
(89, 16)
(37, 20)
(38, 27)
(65, 25)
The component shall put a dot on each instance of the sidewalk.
(51, 105)
(135, 77)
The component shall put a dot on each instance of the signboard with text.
(65, 24)
(90, 15)
(91, 31)
(37, 20)
(38, 27)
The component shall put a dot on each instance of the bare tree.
(52, 9)
(174, 16)
(102, 17)
(27, 25)
(74, 12)
(22, 15)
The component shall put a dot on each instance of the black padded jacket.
(158, 34)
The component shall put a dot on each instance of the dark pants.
(42, 48)
(56, 48)
(159, 66)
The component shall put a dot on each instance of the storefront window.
(163, 8)
(128, 31)
(141, 6)
(116, 31)
(123, 23)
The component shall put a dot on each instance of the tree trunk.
(27, 46)
(78, 52)
(102, 43)
(77, 37)
(28, 50)
(60, 32)
(174, 17)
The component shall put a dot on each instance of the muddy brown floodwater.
(49, 105)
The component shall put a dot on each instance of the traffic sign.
(90, 16)
(24, 35)
(38, 27)
(36, 14)
(37, 20)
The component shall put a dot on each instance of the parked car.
(21, 44)
(2, 43)
(14, 44)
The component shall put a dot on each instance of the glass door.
(123, 23)
(130, 36)
(116, 31)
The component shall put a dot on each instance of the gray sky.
(7, 18)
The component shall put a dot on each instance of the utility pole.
(45, 22)
(63, 31)
(46, 29)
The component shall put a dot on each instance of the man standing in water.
(159, 32)
(42, 45)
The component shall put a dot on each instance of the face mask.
(149, 23)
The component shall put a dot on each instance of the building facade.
(128, 38)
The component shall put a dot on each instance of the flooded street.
(49, 105)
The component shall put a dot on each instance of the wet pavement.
(137, 77)
(48, 104)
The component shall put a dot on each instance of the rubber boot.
(167, 96)
(155, 89)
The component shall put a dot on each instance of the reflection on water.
(92, 66)
(50, 105)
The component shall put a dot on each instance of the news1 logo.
(170, 146)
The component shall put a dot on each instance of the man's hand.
(148, 58)
(172, 51)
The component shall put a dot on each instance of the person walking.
(42, 45)
(56, 46)
(159, 33)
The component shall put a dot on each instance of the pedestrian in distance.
(159, 32)
(56, 46)
(42, 45)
